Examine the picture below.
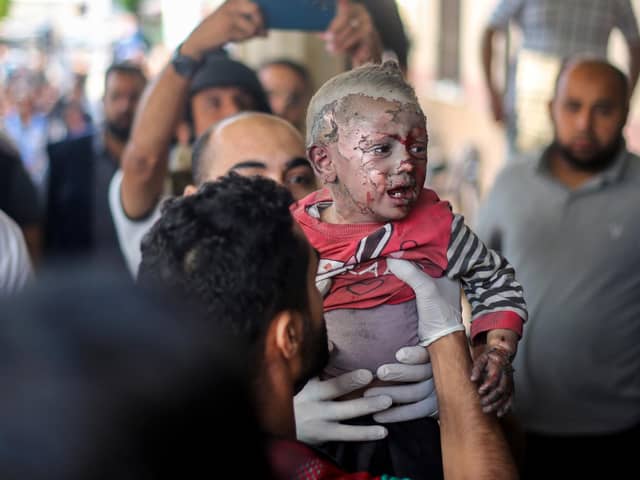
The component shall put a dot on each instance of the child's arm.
(488, 281)
(498, 312)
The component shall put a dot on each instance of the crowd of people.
(235, 248)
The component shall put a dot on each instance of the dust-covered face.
(379, 159)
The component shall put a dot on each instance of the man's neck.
(113, 145)
(566, 173)
(275, 404)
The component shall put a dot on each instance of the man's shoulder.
(63, 150)
(517, 170)
(633, 165)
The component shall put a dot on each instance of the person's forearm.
(487, 58)
(473, 445)
(634, 66)
(144, 161)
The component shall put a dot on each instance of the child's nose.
(406, 166)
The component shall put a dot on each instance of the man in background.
(552, 31)
(567, 221)
(78, 222)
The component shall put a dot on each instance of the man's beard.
(315, 352)
(600, 161)
(121, 133)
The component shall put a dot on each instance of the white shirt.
(130, 232)
(15, 264)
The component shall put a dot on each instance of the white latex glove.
(416, 399)
(438, 312)
(318, 413)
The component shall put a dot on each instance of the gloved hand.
(318, 413)
(438, 303)
(416, 399)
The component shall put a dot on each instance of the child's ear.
(321, 161)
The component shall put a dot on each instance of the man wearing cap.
(214, 87)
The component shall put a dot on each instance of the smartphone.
(307, 15)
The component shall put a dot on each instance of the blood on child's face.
(380, 159)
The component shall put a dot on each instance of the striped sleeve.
(488, 281)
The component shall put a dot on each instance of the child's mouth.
(402, 193)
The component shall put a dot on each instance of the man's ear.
(288, 333)
(189, 190)
(324, 167)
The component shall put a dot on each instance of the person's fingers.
(402, 413)
(349, 41)
(348, 409)
(245, 7)
(407, 393)
(502, 411)
(354, 433)
(493, 375)
(410, 274)
(336, 387)
(344, 10)
(412, 355)
(400, 372)
(478, 367)
(492, 396)
(245, 26)
(497, 404)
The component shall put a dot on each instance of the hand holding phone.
(306, 15)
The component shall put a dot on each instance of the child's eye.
(418, 150)
(380, 149)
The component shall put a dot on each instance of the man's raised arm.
(144, 162)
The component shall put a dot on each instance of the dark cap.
(218, 70)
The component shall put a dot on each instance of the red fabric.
(293, 460)
(352, 255)
(494, 320)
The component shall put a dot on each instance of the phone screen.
(307, 15)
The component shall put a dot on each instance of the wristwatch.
(184, 65)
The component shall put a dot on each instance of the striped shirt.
(352, 258)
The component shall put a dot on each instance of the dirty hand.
(318, 414)
(493, 371)
(416, 398)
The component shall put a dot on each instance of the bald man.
(248, 143)
(568, 224)
(254, 144)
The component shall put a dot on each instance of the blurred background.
(68, 44)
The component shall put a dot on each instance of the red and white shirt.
(353, 256)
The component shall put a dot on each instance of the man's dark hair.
(230, 248)
(298, 68)
(126, 68)
(119, 383)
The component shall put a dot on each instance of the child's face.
(380, 159)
